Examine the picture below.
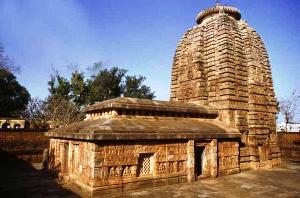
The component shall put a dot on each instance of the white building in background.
(12, 123)
(291, 127)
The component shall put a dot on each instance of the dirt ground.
(21, 179)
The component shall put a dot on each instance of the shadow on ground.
(19, 178)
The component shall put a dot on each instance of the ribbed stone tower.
(223, 62)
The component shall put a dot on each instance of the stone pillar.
(191, 161)
(214, 158)
(45, 158)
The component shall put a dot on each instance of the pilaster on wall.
(191, 161)
(214, 158)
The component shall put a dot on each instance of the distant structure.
(291, 127)
(12, 123)
(220, 120)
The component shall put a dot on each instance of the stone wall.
(71, 159)
(285, 138)
(110, 166)
(26, 145)
(289, 144)
(228, 157)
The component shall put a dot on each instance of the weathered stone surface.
(118, 106)
(27, 145)
(222, 62)
(220, 120)
(141, 127)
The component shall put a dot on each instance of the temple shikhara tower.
(222, 62)
(220, 119)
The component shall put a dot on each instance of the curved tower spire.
(223, 62)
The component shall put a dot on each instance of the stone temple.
(220, 118)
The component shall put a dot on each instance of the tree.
(78, 89)
(35, 113)
(289, 107)
(59, 87)
(105, 85)
(67, 98)
(63, 105)
(134, 88)
(95, 68)
(6, 62)
(60, 112)
(13, 96)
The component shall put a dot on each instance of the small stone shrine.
(220, 120)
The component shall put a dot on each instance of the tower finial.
(218, 2)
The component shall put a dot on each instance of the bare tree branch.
(289, 108)
(62, 112)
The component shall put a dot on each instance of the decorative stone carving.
(127, 171)
(161, 167)
(112, 172)
(181, 166)
(235, 74)
(119, 171)
(104, 173)
(133, 170)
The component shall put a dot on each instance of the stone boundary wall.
(289, 144)
(285, 138)
(24, 144)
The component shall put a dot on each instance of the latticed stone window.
(146, 164)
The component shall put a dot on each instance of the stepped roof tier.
(131, 118)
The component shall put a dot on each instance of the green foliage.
(78, 88)
(67, 97)
(59, 87)
(102, 85)
(134, 88)
(105, 85)
(95, 68)
(13, 96)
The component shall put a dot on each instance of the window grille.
(145, 164)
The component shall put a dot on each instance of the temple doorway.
(199, 160)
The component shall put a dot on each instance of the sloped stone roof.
(125, 128)
(128, 127)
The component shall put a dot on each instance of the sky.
(42, 36)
